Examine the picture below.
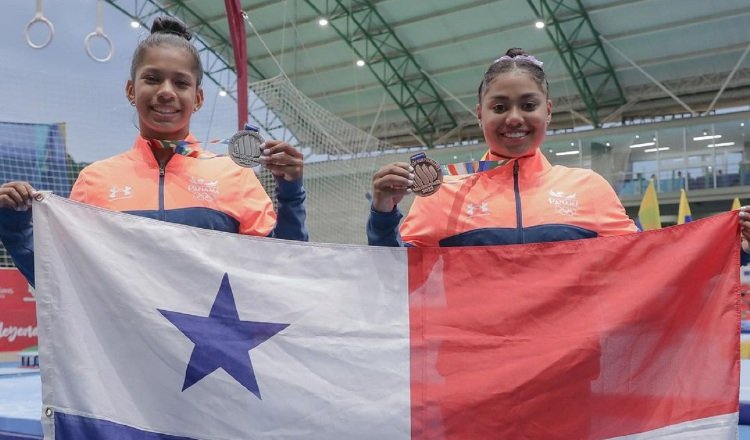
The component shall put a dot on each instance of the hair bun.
(515, 52)
(171, 25)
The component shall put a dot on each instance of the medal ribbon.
(472, 167)
(185, 147)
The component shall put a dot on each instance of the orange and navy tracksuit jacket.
(526, 200)
(211, 193)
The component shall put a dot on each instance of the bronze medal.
(428, 175)
(244, 148)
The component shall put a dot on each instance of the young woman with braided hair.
(514, 111)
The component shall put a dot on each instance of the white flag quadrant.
(161, 328)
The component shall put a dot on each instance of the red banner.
(17, 312)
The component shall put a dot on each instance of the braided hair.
(515, 59)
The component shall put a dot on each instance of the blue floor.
(20, 402)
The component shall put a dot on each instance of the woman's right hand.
(17, 195)
(390, 184)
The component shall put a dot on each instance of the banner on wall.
(17, 311)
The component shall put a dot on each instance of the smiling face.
(514, 113)
(166, 92)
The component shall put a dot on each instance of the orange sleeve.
(419, 226)
(611, 216)
(256, 213)
(79, 190)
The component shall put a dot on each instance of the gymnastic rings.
(98, 32)
(40, 18)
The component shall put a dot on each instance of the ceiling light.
(653, 150)
(706, 137)
(222, 92)
(645, 144)
(539, 24)
(134, 24)
(323, 22)
(722, 144)
(360, 63)
(572, 144)
(742, 124)
(608, 144)
(567, 153)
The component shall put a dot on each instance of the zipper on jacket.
(517, 193)
(162, 212)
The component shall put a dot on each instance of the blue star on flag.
(222, 340)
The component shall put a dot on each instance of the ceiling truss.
(360, 25)
(576, 40)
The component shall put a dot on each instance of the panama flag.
(151, 330)
(683, 212)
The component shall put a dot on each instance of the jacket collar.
(527, 165)
(141, 151)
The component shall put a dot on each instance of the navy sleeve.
(382, 228)
(290, 219)
(17, 235)
(744, 257)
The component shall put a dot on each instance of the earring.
(132, 103)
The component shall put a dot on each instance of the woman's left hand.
(282, 160)
(745, 227)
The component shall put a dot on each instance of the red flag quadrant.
(587, 339)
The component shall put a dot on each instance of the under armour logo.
(117, 193)
(482, 208)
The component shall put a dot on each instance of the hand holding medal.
(248, 149)
(422, 176)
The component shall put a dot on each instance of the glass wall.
(695, 153)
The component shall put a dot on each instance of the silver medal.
(244, 148)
